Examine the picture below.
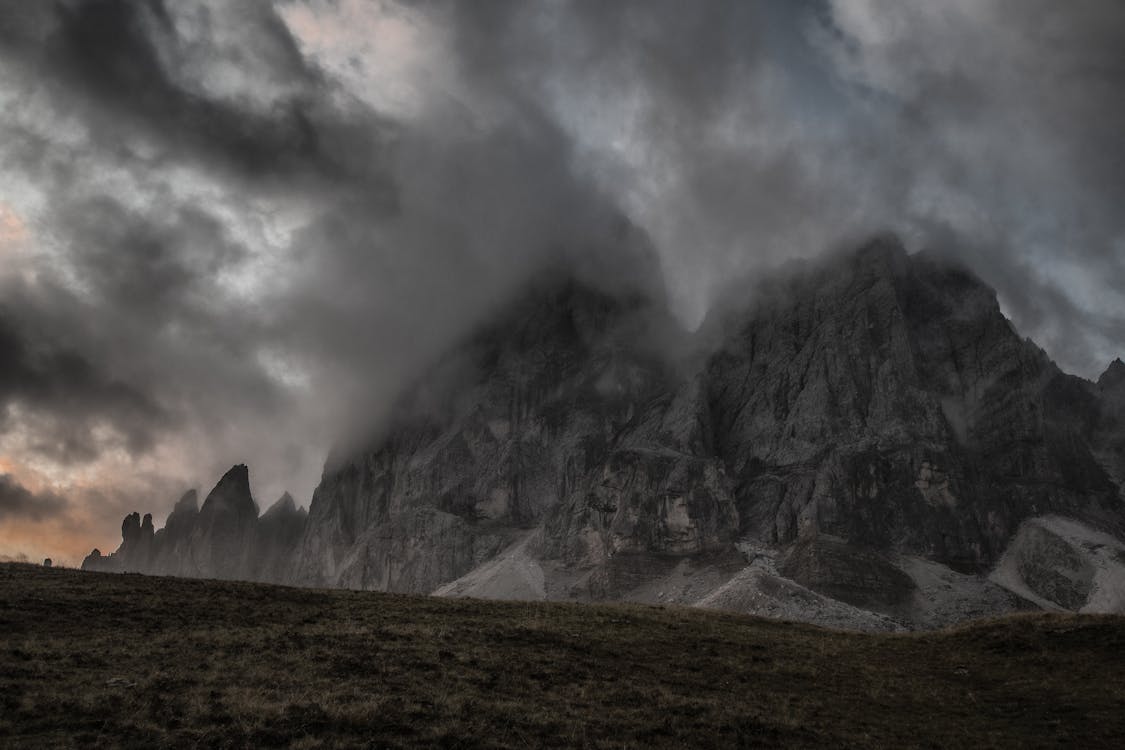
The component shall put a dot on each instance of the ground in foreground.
(90, 660)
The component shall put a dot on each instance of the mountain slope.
(96, 660)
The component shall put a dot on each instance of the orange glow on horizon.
(55, 539)
(67, 537)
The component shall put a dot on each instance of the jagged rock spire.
(232, 494)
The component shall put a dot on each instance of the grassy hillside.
(101, 660)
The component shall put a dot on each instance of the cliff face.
(869, 436)
(887, 400)
(548, 419)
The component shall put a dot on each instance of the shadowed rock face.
(224, 530)
(870, 425)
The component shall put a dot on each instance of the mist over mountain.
(235, 232)
(869, 443)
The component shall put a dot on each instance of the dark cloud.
(16, 501)
(68, 397)
(123, 68)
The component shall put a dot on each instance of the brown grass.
(100, 660)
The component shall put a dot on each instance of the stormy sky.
(229, 229)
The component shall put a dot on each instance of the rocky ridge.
(225, 538)
(870, 445)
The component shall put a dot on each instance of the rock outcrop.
(869, 443)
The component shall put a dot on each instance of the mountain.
(867, 442)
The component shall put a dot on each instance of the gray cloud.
(124, 67)
(743, 134)
(68, 397)
(245, 233)
(16, 501)
(1007, 117)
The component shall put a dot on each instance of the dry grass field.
(102, 660)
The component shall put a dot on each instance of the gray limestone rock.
(885, 400)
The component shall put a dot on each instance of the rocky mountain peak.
(864, 434)
(232, 495)
(1113, 377)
